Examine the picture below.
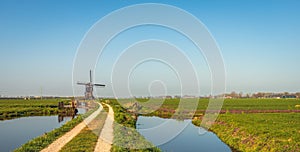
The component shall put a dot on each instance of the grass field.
(240, 104)
(18, 107)
(192, 107)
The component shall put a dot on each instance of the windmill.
(89, 87)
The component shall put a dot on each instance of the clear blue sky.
(259, 41)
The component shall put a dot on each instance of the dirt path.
(105, 139)
(63, 140)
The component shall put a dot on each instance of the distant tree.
(248, 95)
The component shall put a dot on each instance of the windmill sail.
(100, 85)
(90, 76)
(89, 87)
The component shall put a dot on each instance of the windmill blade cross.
(89, 87)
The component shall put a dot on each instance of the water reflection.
(76, 112)
(157, 130)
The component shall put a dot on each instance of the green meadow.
(12, 108)
(167, 107)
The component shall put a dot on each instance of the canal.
(174, 135)
(15, 132)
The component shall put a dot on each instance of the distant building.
(274, 96)
(228, 97)
(289, 96)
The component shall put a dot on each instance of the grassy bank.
(126, 138)
(259, 132)
(41, 142)
(14, 108)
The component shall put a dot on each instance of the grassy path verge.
(86, 140)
